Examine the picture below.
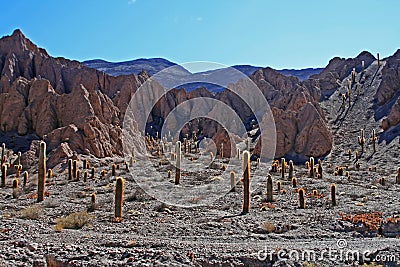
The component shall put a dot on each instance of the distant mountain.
(155, 65)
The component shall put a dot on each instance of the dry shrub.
(75, 220)
(32, 212)
(268, 227)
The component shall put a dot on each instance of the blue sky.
(280, 34)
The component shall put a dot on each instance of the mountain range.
(155, 65)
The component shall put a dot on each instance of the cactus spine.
(233, 181)
(119, 197)
(41, 172)
(246, 182)
(3, 175)
(302, 201)
(333, 194)
(270, 196)
(178, 162)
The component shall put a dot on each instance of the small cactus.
(302, 201)
(85, 164)
(294, 182)
(362, 66)
(78, 175)
(50, 174)
(270, 197)
(169, 174)
(113, 170)
(279, 186)
(85, 176)
(291, 169)
(119, 197)
(3, 155)
(92, 173)
(233, 181)
(246, 182)
(349, 152)
(41, 172)
(93, 201)
(381, 181)
(319, 169)
(315, 193)
(398, 176)
(333, 194)
(15, 184)
(178, 162)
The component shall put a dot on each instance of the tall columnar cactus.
(283, 166)
(222, 150)
(319, 169)
(41, 172)
(93, 201)
(353, 75)
(270, 196)
(333, 194)
(374, 139)
(362, 66)
(291, 169)
(50, 174)
(349, 93)
(294, 182)
(85, 164)
(302, 200)
(92, 174)
(398, 176)
(349, 153)
(379, 61)
(3, 175)
(26, 177)
(361, 141)
(246, 182)
(238, 153)
(311, 171)
(233, 181)
(3, 155)
(119, 197)
(178, 162)
(70, 171)
(74, 168)
(279, 186)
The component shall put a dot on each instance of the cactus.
(233, 181)
(379, 61)
(85, 176)
(25, 182)
(315, 193)
(169, 174)
(279, 186)
(70, 175)
(113, 170)
(3, 175)
(283, 165)
(18, 166)
(381, 181)
(41, 172)
(50, 174)
(85, 164)
(291, 169)
(119, 197)
(353, 75)
(3, 155)
(362, 66)
(222, 150)
(349, 153)
(270, 197)
(302, 201)
(92, 174)
(15, 184)
(311, 170)
(361, 141)
(74, 168)
(357, 156)
(246, 182)
(374, 139)
(333, 194)
(319, 169)
(178, 162)
(258, 162)
(211, 156)
(93, 201)
(294, 182)
(238, 153)
(398, 176)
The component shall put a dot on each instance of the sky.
(280, 34)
